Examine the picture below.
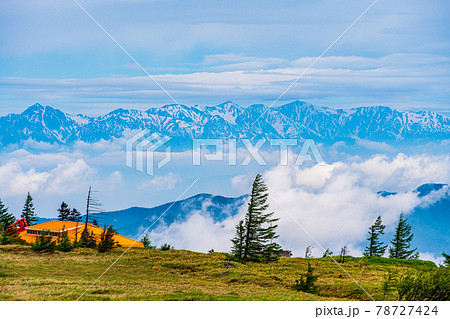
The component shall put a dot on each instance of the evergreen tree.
(28, 211)
(147, 242)
(63, 242)
(239, 240)
(6, 219)
(43, 242)
(64, 212)
(375, 248)
(166, 246)
(327, 253)
(259, 228)
(87, 239)
(307, 281)
(446, 259)
(74, 216)
(106, 242)
(402, 241)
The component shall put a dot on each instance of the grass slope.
(144, 274)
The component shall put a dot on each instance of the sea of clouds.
(325, 205)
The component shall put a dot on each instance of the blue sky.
(207, 52)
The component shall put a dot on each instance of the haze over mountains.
(298, 120)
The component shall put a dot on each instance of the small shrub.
(387, 283)
(106, 242)
(327, 253)
(147, 242)
(431, 285)
(63, 242)
(166, 247)
(43, 242)
(5, 239)
(306, 283)
(88, 240)
(11, 239)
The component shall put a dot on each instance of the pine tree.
(327, 253)
(375, 248)
(43, 242)
(259, 227)
(147, 242)
(6, 219)
(64, 212)
(446, 259)
(106, 242)
(74, 216)
(238, 240)
(28, 211)
(402, 241)
(63, 242)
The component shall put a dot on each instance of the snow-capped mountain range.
(227, 120)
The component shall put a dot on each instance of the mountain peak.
(297, 119)
(35, 108)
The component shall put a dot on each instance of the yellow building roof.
(74, 230)
(56, 225)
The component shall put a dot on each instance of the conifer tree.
(28, 211)
(147, 242)
(446, 259)
(375, 247)
(401, 242)
(64, 212)
(74, 216)
(63, 242)
(239, 240)
(6, 219)
(106, 242)
(259, 227)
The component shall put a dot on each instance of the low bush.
(431, 285)
(306, 283)
(106, 242)
(43, 242)
(147, 242)
(166, 247)
(63, 242)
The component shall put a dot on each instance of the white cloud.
(161, 181)
(65, 178)
(400, 80)
(242, 183)
(438, 260)
(335, 203)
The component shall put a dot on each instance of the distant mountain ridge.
(131, 222)
(298, 120)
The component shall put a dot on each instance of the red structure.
(18, 226)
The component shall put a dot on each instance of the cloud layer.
(333, 203)
(402, 80)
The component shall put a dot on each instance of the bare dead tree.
(343, 254)
(93, 205)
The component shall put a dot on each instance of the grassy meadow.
(146, 274)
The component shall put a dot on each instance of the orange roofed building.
(74, 231)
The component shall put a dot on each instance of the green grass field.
(145, 274)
